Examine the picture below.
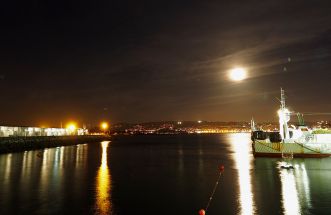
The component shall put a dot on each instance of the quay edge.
(18, 144)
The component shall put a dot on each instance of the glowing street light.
(104, 126)
(71, 127)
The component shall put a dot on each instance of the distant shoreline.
(179, 133)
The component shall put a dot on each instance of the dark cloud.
(161, 60)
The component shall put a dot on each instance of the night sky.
(134, 61)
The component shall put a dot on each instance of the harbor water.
(161, 174)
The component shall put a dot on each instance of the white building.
(9, 131)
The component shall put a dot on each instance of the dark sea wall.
(16, 144)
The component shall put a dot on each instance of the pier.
(20, 143)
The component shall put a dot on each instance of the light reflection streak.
(56, 159)
(200, 159)
(290, 198)
(180, 153)
(8, 167)
(240, 144)
(26, 166)
(103, 185)
(44, 173)
(5, 173)
(80, 155)
(61, 157)
(306, 185)
(295, 189)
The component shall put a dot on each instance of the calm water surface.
(166, 174)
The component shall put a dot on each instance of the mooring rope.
(203, 211)
(302, 145)
(212, 194)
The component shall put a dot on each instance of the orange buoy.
(221, 167)
(202, 212)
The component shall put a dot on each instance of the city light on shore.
(104, 126)
(71, 126)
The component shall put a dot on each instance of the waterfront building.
(23, 131)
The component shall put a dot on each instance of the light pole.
(104, 126)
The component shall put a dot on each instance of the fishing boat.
(290, 141)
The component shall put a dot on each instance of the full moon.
(238, 74)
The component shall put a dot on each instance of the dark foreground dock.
(17, 144)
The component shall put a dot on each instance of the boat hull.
(296, 150)
(295, 155)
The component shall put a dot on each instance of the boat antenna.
(282, 99)
(253, 124)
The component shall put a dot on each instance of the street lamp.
(104, 126)
(71, 127)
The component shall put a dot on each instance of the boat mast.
(253, 125)
(284, 116)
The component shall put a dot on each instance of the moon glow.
(237, 74)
